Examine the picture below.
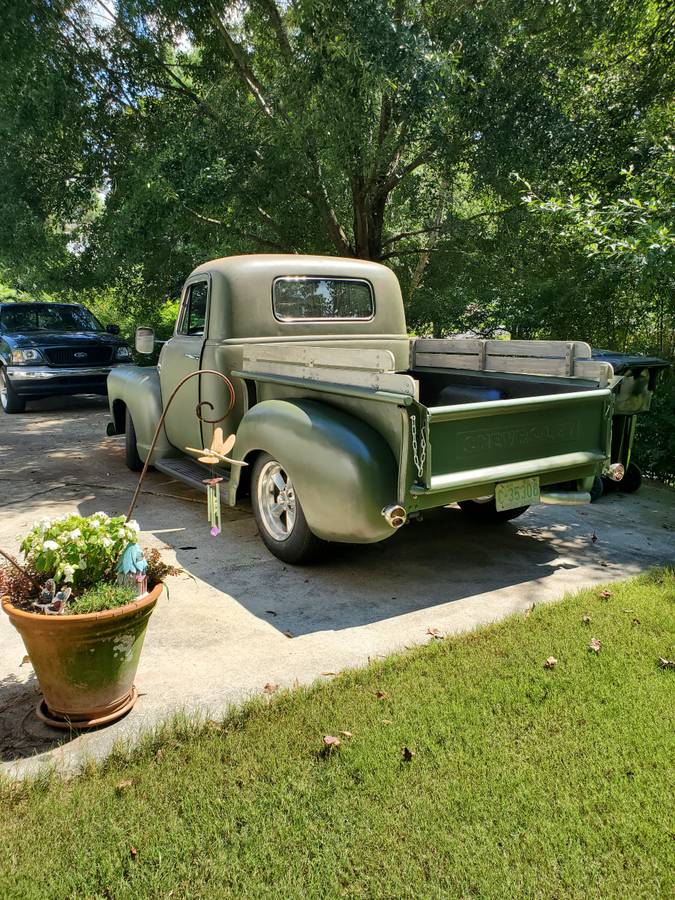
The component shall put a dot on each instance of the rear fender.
(343, 470)
(137, 389)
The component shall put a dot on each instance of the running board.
(188, 471)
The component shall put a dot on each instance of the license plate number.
(511, 494)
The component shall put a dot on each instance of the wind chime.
(211, 456)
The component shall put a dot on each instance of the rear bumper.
(45, 381)
(549, 465)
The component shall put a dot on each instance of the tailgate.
(479, 443)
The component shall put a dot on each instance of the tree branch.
(241, 62)
(274, 16)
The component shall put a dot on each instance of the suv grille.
(73, 356)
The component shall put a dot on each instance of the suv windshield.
(47, 317)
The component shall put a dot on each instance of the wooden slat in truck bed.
(356, 367)
(556, 358)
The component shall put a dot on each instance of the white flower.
(94, 523)
(82, 563)
(121, 532)
(106, 541)
(75, 534)
(133, 524)
(101, 515)
(68, 573)
(51, 545)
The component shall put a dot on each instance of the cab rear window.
(318, 299)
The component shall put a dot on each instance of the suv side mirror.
(145, 340)
(112, 329)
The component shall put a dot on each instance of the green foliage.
(655, 439)
(78, 550)
(102, 596)
(521, 781)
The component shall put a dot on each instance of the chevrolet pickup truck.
(347, 425)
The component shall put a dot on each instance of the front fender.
(343, 470)
(137, 388)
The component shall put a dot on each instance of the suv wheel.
(279, 515)
(9, 399)
(486, 511)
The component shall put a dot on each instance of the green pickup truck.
(347, 425)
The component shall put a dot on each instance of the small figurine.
(52, 602)
(216, 453)
(132, 568)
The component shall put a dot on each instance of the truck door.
(180, 356)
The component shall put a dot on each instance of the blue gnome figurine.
(132, 568)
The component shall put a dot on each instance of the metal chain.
(419, 455)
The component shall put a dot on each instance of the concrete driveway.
(238, 618)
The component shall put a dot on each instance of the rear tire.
(279, 515)
(598, 489)
(9, 399)
(631, 481)
(486, 511)
(133, 460)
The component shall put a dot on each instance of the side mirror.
(145, 340)
(112, 329)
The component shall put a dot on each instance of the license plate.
(510, 494)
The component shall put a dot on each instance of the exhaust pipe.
(395, 515)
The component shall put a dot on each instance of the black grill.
(78, 356)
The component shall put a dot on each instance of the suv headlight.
(123, 353)
(26, 357)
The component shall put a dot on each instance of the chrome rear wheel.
(276, 500)
(279, 515)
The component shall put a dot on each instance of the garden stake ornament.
(216, 453)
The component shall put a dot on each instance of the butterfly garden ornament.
(217, 453)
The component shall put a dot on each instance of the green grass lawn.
(522, 781)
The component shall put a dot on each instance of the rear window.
(305, 297)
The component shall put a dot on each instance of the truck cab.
(348, 426)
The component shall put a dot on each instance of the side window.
(192, 318)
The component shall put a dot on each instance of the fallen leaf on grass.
(605, 595)
(550, 662)
(381, 695)
(586, 619)
(123, 785)
(346, 734)
(636, 622)
(594, 645)
(408, 754)
(25, 660)
(666, 663)
(271, 688)
(435, 633)
(134, 852)
(529, 611)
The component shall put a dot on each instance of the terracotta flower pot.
(85, 664)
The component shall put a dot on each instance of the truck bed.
(475, 414)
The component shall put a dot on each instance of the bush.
(78, 550)
(655, 437)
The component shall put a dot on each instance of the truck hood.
(37, 339)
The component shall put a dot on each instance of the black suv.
(48, 349)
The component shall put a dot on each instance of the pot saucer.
(49, 718)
